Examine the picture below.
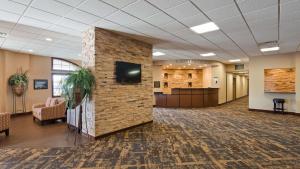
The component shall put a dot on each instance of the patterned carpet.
(227, 136)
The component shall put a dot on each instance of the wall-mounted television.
(128, 72)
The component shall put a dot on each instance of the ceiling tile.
(159, 19)
(52, 6)
(41, 15)
(173, 27)
(141, 9)
(72, 3)
(234, 24)
(165, 4)
(147, 29)
(183, 11)
(73, 24)
(34, 22)
(119, 3)
(21, 34)
(30, 29)
(105, 24)
(206, 5)
(224, 12)
(13, 7)
(194, 20)
(65, 30)
(266, 13)
(25, 2)
(121, 18)
(7, 16)
(82, 17)
(255, 5)
(93, 6)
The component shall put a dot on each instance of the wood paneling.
(172, 100)
(185, 100)
(281, 80)
(188, 98)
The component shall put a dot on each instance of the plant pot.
(18, 90)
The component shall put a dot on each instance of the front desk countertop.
(188, 98)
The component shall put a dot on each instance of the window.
(60, 71)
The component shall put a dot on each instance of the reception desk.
(188, 98)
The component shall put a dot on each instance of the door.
(234, 88)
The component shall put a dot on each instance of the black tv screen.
(128, 72)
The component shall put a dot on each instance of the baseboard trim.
(271, 111)
(115, 132)
(20, 114)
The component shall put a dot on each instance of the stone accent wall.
(179, 78)
(118, 106)
(88, 61)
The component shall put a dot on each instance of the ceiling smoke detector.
(3, 35)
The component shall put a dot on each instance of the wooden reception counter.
(188, 98)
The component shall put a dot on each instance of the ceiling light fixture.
(204, 28)
(208, 54)
(49, 39)
(234, 60)
(3, 35)
(158, 54)
(275, 48)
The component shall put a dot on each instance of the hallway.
(227, 136)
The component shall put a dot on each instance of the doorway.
(234, 88)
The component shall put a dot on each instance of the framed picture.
(39, 84)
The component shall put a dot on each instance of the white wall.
(258, 99)
(229, 87)
(219, 72)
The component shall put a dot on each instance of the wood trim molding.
(271, 111)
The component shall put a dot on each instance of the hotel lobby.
(150, 84)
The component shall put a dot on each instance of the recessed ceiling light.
(49, 39)
(275, 48)
(204, 28)
(158, 54)
(208, 54)
(3, 35)
(235, 60)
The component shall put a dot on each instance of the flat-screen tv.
(128, 72)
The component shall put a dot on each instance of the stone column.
(115, 106)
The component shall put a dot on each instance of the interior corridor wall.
(229, 87)
(218, 76)
(258, 99)
(241, 86)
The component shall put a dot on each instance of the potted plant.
(77, 89)
(18, 82)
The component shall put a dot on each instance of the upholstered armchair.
(53, 109)
(4, 123)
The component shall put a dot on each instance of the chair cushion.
(53, 102)
(48, 102)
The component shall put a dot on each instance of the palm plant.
(78, 88)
